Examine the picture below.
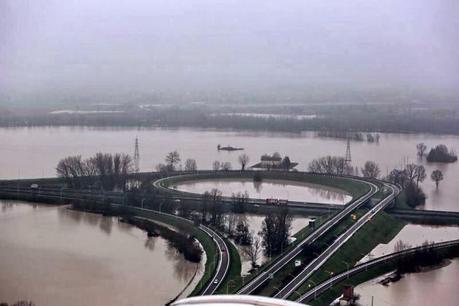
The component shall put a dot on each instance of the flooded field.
(437, 287)
(35, 152)
(269, 189)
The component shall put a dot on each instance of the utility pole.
(136, 156)
(348, 159)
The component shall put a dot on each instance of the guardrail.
(287, 257)
(316, 263)
(327, 284)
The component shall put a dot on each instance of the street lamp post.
(347, 265)
(315, 291)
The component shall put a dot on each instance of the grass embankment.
(381, 229)
(328, 296)
(233, 277)
(354, 188)
(400, 201)
(287, 273)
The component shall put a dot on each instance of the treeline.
(409, 178)
(103, 170)
(427, 256)
(355, 136)
(184, 243)
(381, 118)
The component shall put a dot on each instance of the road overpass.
(316, 263)
(286, 257)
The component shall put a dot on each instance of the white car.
(216, 281)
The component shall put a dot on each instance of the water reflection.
(32, 152)
(276, 189)
(150, 243)
(85, 259)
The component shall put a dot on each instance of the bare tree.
(216, 165)
(172, 159)
(411, 172)
(109, 170)
(190, 165)
(243, 160)
(400, 246)
(328, 165)
(216, 207)
(226, 166)
(371, 169)
(253, 251)
(72, 168)
(420, 174)
(436, 176)
(275, 230)
(421, 148)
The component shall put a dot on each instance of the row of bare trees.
(103, 170)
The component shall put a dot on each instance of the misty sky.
(68, 50)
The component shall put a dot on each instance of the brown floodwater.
(34, 152)
(55, 256)
(436, 287)
(269, 189)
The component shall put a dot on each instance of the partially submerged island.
(228, 148)
(441, 154)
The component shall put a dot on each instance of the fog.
(109, 51)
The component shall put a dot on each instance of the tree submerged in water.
(441, 154)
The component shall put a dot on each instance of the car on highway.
(216, 281)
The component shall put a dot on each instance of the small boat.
(228, 148)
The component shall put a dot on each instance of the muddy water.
(269, 189)
(53, 256)
(437, 287)
(34, 152)
(417, 288)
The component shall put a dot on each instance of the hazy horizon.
(298, 51)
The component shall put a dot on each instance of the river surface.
(268, 189)
(436, 287)
(35, 152)
(55, 256)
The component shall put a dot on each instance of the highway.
(369, 264)
(223, 262)
(285, 258)
(315, 264)
(69, 194)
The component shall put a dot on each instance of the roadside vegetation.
(413, 263)
(381, 229)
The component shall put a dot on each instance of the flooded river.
(35, 152)
(55, 249)
(54, 256)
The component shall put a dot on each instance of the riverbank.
(56, 256)
(206, 242)
(382, 229)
